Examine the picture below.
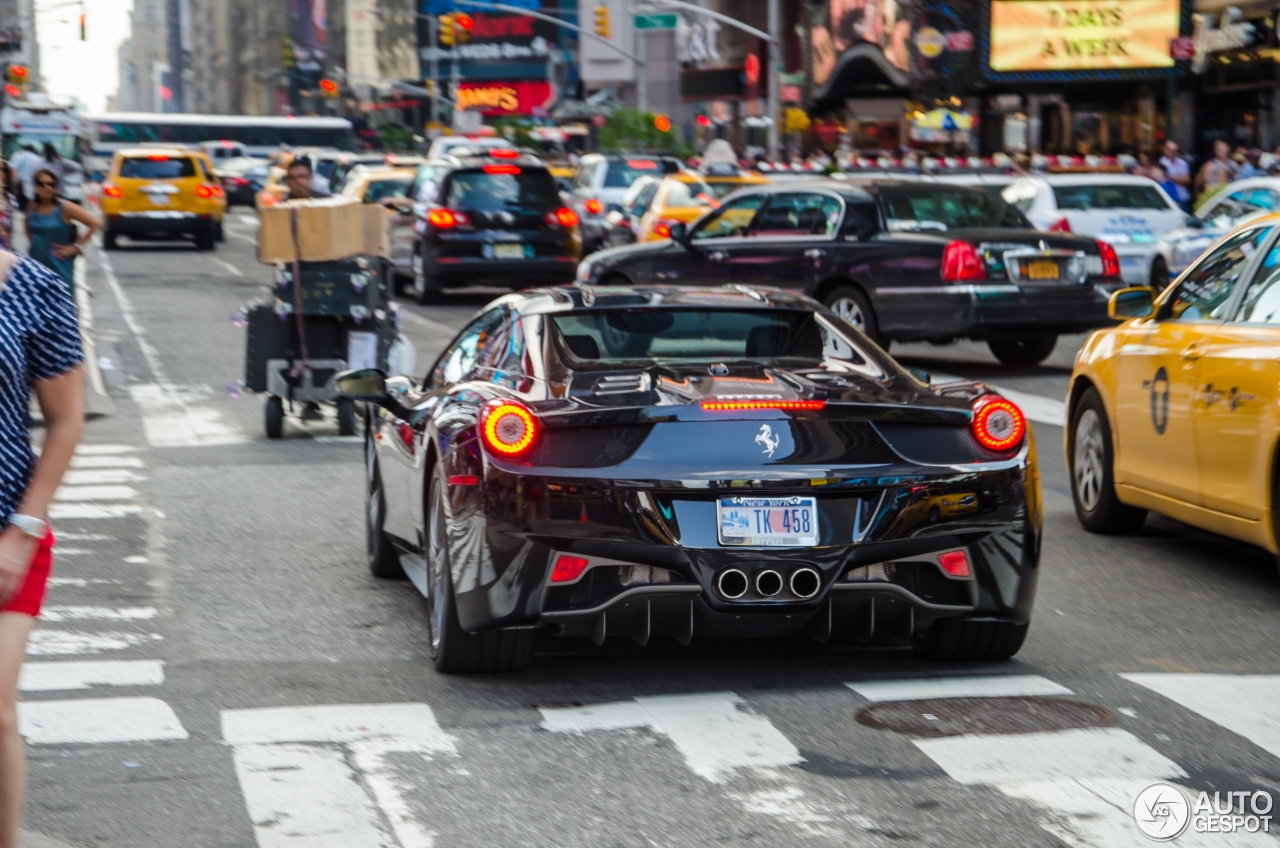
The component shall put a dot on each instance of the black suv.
(491, 217)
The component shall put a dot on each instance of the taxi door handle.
(1193, 351)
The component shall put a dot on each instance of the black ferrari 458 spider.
(654, 460)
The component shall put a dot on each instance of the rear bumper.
(146, 223)
(993, 310)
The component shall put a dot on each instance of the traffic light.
(446, 30)
(462, 25)
(663, 123)
(19, 76)
(328, 88)
(601, 13)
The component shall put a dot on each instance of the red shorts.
(31, 595)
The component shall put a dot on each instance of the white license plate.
(772, 522)
(508, 251)
(158, 199)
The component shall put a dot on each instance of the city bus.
(260, 136)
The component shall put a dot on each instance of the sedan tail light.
(1062, 225)
(1110, 262)
(594, 206)
(998, 424)
(447, 219)
(207, 191)
(961, 261)
(112, 190)
(564, 217)
(508, 428)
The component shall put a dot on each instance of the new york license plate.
(1042, 269)
(508, 251)
(774, 522)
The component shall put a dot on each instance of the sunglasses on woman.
(46, 184)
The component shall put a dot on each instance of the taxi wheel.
(1031, 350)
(109, 241)
(853, 307)
(1092, 471)
(452, 649)
(954, 639)
(205, 239)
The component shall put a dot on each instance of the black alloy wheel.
(452, 649)
(1092, 465)
(853, 307)
(957, 639)
(380, 553)
(274, 415)
(1030, 350)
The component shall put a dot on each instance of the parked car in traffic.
(601, 184)
(161, 192)
(900, 261)
(242, 178)
(574, 462)
(1231, 206)
(1130, 213)
(679, 199)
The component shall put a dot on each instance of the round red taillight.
(662, 230)
(998, 424)
(567, 217)
(594, 206)
(112, 190)
(509, 429)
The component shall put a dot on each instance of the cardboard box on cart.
(329, 229)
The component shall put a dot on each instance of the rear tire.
(205, 238)
(218, 234)
(452, 649)
(853, 307)
(1091, 460)
(346, 417)
(379, 552)
(109, 241)
(275, 417)
(1030, 350)
(957, 639)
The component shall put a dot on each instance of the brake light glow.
(961, 261)
(735, 405)
(662, 230)
(501, 169)
(1062, 225)
(1110, 262)
(504, 153)
(642, 164)
(568, 568)
(594, 206)
(112, 190)
(955, 564)
(447, 219)
(998, 424)
(564, 216)
(463, 480)
(207, 191)
(158, 157)
(509, 429)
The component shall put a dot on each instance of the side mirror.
(366, 384)
(1136, 302)
(1195, 223)
(680, 233)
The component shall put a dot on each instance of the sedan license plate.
(772, 522)
(158, 199)
(1042, 269)
(508, 251)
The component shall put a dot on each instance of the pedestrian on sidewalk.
(1177, 169)
(51, 227)
(40, 351)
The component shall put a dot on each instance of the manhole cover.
(956, 716)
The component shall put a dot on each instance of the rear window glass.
(613, 335)
(624, 172)
(940, 209)
(476, 189)
(379, 189)
(168, 168)
(1109, 197)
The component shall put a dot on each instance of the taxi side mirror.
(366, 384)
(1135, 302)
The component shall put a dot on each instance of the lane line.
(1014, 685)
(57, 676)
(225, 264)
(98, 720)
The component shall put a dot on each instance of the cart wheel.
(275, 417)
(346, 417)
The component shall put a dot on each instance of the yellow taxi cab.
(725, 184)
(680, 199)
(160, 192)
(377, 184)
(563, 173)
(1177, 410)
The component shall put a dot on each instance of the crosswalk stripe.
(48, 641)
(99, 476)
(55, 676)
(79, 613)
(106, 461)
(98, 720)
(1247, 704)
(1025, 685)
(90, 449)
(171, 417)
(66, 494)
(69, 511)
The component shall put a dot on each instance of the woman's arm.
(77, 213)
(62, 405)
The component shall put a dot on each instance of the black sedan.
(723, 461)
(901, 261)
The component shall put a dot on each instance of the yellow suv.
(159, 192)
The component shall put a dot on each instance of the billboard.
(1051, 35)
(309, 29)
(531, 97)
(881, 24)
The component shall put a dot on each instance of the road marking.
(83, 613)
(225, 264)
(241, 236)
(94, 493)
(99, 476)
(56, 676)
(713, 731)
(1247, 704)
(1001, 686)
(98, 720)
(102, 450)
(48, 642)
(105, 462)
(299, 794)
(170, 419)
(78, 582)
(249, 220)
(59, 511)
(328, 440)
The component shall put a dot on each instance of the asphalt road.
(216, 667)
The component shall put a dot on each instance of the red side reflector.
(568, 568)
(463, 480)
(727, 405)
(504, 153)
(955, 563)
(501, 169)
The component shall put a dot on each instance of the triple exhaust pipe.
(734, 583)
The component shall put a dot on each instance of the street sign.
(666, 21)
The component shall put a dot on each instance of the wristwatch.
(29, 525)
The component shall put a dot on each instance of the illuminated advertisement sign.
(505, 98)
(1050, 35)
